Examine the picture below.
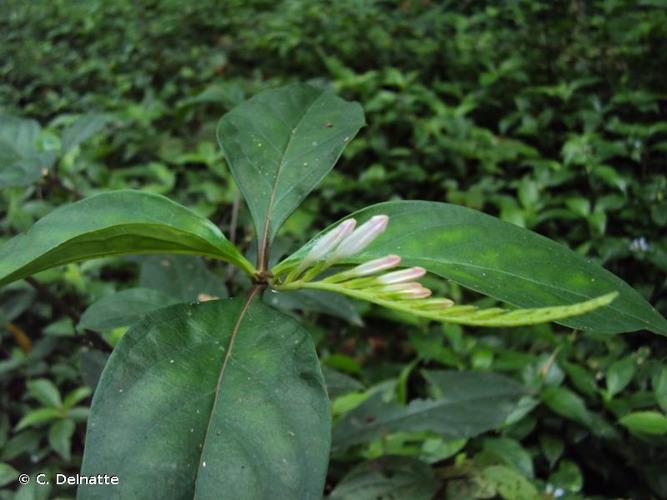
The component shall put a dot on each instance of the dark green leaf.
(567, 404)
(279, 146)
(619, 375)
(14, 300)
(82, 129)
(660, 388)
(509, 483)
(8, 474)
(23, 442)
(183, 277)
(568, 476)
(60, 437)
(503, 261)
(387, 478)
(92, 363)
(123, 308)
(115, 223)
(316, 301)
(510, 452)
(225, 397)
(338, 383)
(465, 405)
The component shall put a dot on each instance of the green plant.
(228, 395)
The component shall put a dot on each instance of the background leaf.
(645, 422)
(21, 162)
(45, 392)
(333, 304)
(464, 404)
(123, 308)
(175, 398)
(83, 129)
(387, 478)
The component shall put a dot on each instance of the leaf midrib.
(228, 353)
(263, 247)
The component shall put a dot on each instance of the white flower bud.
(374, 266)
(411, 290)
(409, 274)
(327, 242)
(360, 238)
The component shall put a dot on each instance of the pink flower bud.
(361, 237)
(327, 242)
(375, 266)
(411, 290)
(409, 274)
(420, 294)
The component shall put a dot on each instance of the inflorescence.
(379, 281)
(369, 280)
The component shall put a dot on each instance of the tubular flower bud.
(412, 290)
(409, 274)
(374, 266)
(360, 238)
(418, 294)
(328, 242)
(435, 304)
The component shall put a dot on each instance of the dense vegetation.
(550, 115)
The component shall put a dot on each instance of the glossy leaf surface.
(221, 399)
(115, 223)
(281, 143)
(504, 261)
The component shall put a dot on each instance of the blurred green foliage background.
(550, 115)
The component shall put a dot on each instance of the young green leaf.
(645, 422)
(115, 223)
(60, 437)
(501, 260)
(38, 416)
(280, 144)
(619, 375)
(567, 404)
(226, 396)
(8, 474)
(45, 392)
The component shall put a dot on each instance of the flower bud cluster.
(369, 278)
(344, 241)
